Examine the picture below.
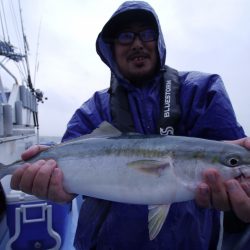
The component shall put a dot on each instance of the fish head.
(236, 162)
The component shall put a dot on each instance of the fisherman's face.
(137, 59)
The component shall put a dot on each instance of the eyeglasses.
(128, 37)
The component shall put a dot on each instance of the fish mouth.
(244, 173)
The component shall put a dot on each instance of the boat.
(19, 129)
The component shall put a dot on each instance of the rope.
(16, 27)
(3, 21)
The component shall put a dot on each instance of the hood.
(133, 9)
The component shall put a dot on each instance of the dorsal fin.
(104, 130)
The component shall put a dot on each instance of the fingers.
(246, 186)
(231, 194)
(34, 178)
(17, 176)
(244, 142)
(56, 192)
(203, 195)
(33, 150)
(239, 195)
(42, 179)
(218, 194)
(23, 177)
(212, 192)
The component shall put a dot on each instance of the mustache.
(135, 54)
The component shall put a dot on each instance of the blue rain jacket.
(206, 112)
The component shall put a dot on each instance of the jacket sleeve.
(208, 113)
(89, 116)
(206, 108)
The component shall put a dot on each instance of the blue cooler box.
(34, 223)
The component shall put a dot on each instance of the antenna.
(38, 93)
(37, 49)
(26, 48)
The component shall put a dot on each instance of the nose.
(137, 43)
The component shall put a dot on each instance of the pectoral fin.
(156, 218)
(150, 166)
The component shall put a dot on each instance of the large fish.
(138, 169)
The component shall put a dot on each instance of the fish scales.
(140, 169)
(183, 157)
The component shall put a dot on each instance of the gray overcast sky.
(210, 35)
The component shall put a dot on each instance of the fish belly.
(112, 179)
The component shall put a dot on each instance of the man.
(132, 46)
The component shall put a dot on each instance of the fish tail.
(9, 168)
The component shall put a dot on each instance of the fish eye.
(233, 161)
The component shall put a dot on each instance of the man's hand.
(232, 194)
(42, 178)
